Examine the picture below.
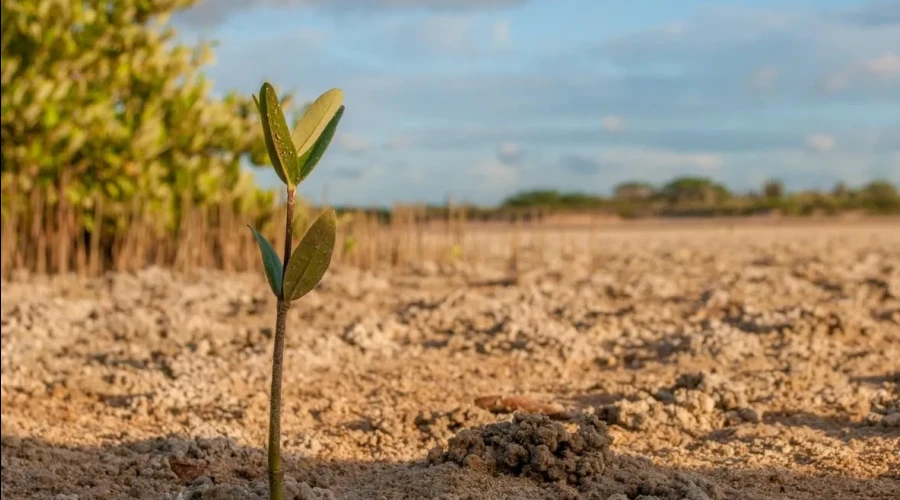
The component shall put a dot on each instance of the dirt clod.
(532, 446)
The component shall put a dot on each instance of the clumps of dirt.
(885, 403)
(532, 446)
(442, 425)
(708, 392)
(575, 464)
(373, 336)
(698, 401)
(203, 488)
(632, 478)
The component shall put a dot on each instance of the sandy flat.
(672, 363)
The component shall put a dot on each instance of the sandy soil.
(699, 364)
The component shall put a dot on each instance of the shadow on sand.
(217, 468)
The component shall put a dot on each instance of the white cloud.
(352, 143)
(885, 67)
(509, 153)
(820, 142)
(613, 123)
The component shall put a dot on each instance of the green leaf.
(271, 262)
(51, 116)
(311, 258)
(310, 159)
(278, 137)
(316, 118)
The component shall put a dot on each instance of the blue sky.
(485, 98)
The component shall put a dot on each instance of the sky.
(479, 99)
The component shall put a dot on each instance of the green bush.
(98, 97)
(702, 197)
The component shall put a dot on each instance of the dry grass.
(44, 237)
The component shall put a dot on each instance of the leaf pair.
(307, 264)
(295, 155)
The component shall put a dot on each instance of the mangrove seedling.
(293, 157)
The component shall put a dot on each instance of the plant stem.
(276, 474)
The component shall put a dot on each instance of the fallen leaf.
(526, 404)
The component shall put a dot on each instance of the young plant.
(294, 156)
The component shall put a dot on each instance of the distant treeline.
(699, 196)
(681, 197)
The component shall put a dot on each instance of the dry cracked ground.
(686, 363)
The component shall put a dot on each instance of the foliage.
(634, 191)
(271, 262)
(694, 190)
(773, 188)
(99, 100)
(293, 157)
(551, 198)
(694, 196)
(881, 196)
(309, 263)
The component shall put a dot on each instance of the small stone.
(732, 418)
(750, 415)
(892, 420)
(201, 481)
(434, 454)
(665, 396)
(707, 404)
(685, 418)
(306, 492)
